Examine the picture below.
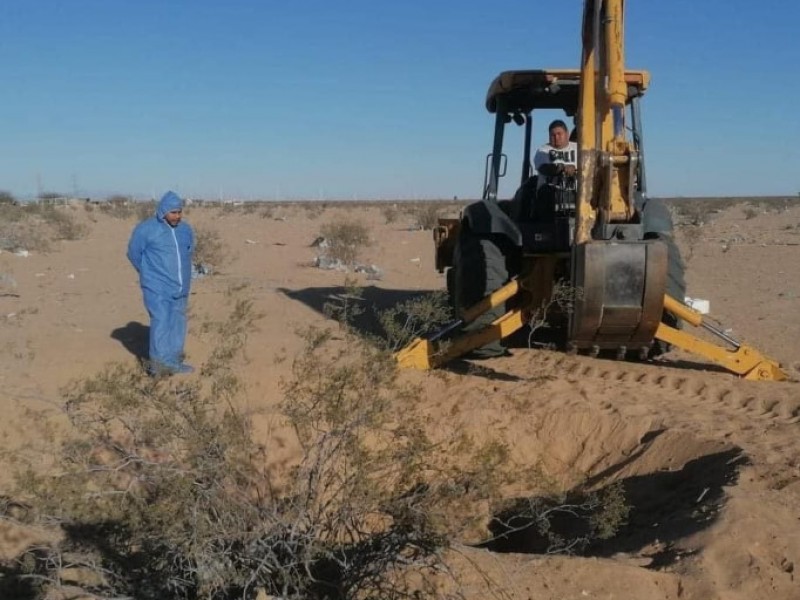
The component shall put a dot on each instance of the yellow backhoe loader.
(598, 254)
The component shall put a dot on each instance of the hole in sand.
(666, 485)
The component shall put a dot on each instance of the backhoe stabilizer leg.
(424, 354)
(743, 360)
(429, 353)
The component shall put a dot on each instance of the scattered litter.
(250, 242)
(200, 270)
(320, 242)
(39, 275)
(329, 264)
(415, 260)
(21, 252)
(71, 276)
(699, 304)
(373, 272)
(11, 315)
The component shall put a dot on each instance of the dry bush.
(751, 212)
(346, 240)
(7, 197)
(119, 207)
(163, 492)
(559, 306)
(417, 317)
(63, 225)
(393, 328)
(390, 213)
(425, 216)
(145, 210)
(209, 249)
(36, 226)
(314, 210)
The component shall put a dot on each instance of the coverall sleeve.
(136, 248)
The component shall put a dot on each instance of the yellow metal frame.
(744, 360)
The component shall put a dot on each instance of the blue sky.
(357, 99)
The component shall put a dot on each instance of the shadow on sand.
(135, 337)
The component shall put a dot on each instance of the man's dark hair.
(557, 123)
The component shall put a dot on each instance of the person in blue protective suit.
(160, 249)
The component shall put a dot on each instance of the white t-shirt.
(547, 155)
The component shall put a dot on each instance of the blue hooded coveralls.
(162, 255)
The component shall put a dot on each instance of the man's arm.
(136, 247)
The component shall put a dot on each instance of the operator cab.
(544, 215)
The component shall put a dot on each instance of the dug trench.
(642, 496)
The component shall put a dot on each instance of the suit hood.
(169, 202)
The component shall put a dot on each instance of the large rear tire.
(676, 287)
(479, 269)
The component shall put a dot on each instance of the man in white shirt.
(557, 161)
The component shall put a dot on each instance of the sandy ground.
(710, 463)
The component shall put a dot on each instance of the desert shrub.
(118, 207)
(7, 197)
(314, 210)
(347, 307)
(750, 212)
(144, 210)
(555, 311)
(413, 318)
(36, 226)
(390, 213)
(228, 208)
(209, 249)
(696, 213)
(425, 216)
(63, 225)
(562, 523)
(162, 491)
(346, 240)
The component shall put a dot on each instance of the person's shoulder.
(145, 226)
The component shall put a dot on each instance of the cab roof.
(523, 91)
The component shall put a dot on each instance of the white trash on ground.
(699, 304)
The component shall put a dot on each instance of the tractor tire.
(479, 269)
(450, 279)
(676, 287)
